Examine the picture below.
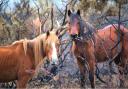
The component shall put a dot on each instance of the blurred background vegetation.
(29, 18)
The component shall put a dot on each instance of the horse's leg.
(90, 56)
(119, 62)
(92, 72)
(22, 81)
(24, 75)
(121, 76)
(123, 63)
(81, 66)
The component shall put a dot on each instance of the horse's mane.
(87, 30)
(38, 42)
(24, 41)
(37, 47)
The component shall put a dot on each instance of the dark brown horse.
(19, 60)
(91, 46)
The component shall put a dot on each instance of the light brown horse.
(91, 46)
(19, 60)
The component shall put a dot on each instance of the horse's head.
(74, 23)
(52, 46)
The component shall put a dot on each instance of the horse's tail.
(25, 45)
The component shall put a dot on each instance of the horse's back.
(106, 39)
(110, 31)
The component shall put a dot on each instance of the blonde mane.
(38, 44)
(24, 41)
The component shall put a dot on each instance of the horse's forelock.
(74, 16)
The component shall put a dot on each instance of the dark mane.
(87, 31)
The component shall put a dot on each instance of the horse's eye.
(78, 23)
(57, 44)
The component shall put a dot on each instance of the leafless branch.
(39, 15)
(124, 21)
(52, 16)
(119, 14)
(59, 10)
(66, 12)
(38, 10)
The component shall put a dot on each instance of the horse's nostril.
(54, 69)
(74, 36)
(53, 63)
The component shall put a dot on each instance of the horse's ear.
(57, 32)
(48, 33)
(78, 12)
(69, 12)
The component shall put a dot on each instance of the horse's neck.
(81, 27)
(32, 44)
(86, 30)
(30, 48)
(29, 52)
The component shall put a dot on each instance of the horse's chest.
(79, 49)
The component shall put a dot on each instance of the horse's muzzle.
(54, 69)
(73, 36)
(54, 61)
